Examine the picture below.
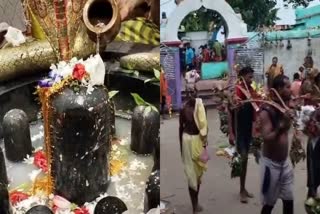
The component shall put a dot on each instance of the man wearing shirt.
(189, 56)
(273, 71)
(313, 154)
(205, 53)
(191, 78)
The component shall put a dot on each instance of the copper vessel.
(102, 19)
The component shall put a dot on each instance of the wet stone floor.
(128, 184)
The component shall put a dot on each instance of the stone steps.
(205, 92)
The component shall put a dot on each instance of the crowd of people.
(277, 117)
(190, 60)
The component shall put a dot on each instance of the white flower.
(154, 211)
(75, 61)
(304, 116)
(90, 89)
(28, 203)
(15, 36)
(124, 141)
(135, 164)
(115, 179)
(28, 160)
(114, 147)
(96, 69)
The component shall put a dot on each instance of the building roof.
(306, 13)
(308, 18)
(285, 35)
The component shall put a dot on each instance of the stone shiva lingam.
(16, 134)
(4, 195)
(75, 103)
(77, 129)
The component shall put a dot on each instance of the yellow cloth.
(274, 71)
(192, 147)
(139, 30)
(200, 117)
(191, 150)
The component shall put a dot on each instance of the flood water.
(128, 185)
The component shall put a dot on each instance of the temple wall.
(292, 59)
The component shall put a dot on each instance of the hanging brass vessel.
(102, 19)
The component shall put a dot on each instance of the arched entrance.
(237, 28)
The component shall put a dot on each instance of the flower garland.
(88, 73)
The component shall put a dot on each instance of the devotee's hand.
(204, 140)
(307, 96)
(290, 114)
(128, 8)
(236, 100)
(287, 120)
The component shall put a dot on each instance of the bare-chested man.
(276, 172)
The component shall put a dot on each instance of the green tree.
(200, 20)
(257, 13)
(297, 3)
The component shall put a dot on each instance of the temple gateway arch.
(236, 27)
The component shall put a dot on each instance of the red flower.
(16, 197)
(81, 210)
(40, 161)
(79, 72)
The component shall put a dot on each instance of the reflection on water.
(129, 185)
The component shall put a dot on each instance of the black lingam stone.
(16, 134)
(4, 200)
(3, 169)
(156, 155)
(153, 191)
(110, 205)
(112, 118)
(80, 143)
(40, 209)
(144, 130)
